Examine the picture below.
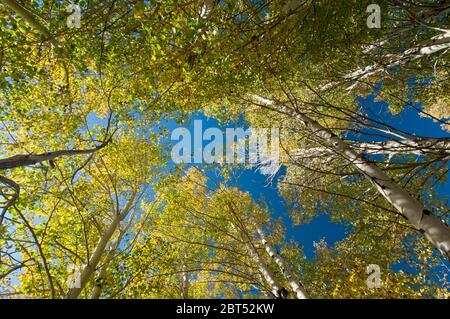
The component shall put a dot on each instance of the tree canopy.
(92, 206)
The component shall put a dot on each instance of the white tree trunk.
(275, 287)
(410, 146)
(436, 44)
(89, 269)
(295, 286)
(432, 146)
(96, 291)
(277, 290)
(436, 231)
(185, 283)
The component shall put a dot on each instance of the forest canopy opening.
(224, 149)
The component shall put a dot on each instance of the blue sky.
(258, 185)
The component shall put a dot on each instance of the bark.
(296, 287)
(31, 159)
(9, 202)
(438, 43)
(275, 287)
(436, 231)
(100, 281)
(89, 269)
(97, 290)
(425, 146)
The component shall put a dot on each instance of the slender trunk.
(185, 279)
(31, 159)
(11, 200)
(275, 287)
(436, 231)
(89, 269)
(97, 290)
(438, 43)
(100, 281)
(41, 253)
(425, 146)
(285, 270)
(28, 16)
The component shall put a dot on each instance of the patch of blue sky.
(260, 187)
